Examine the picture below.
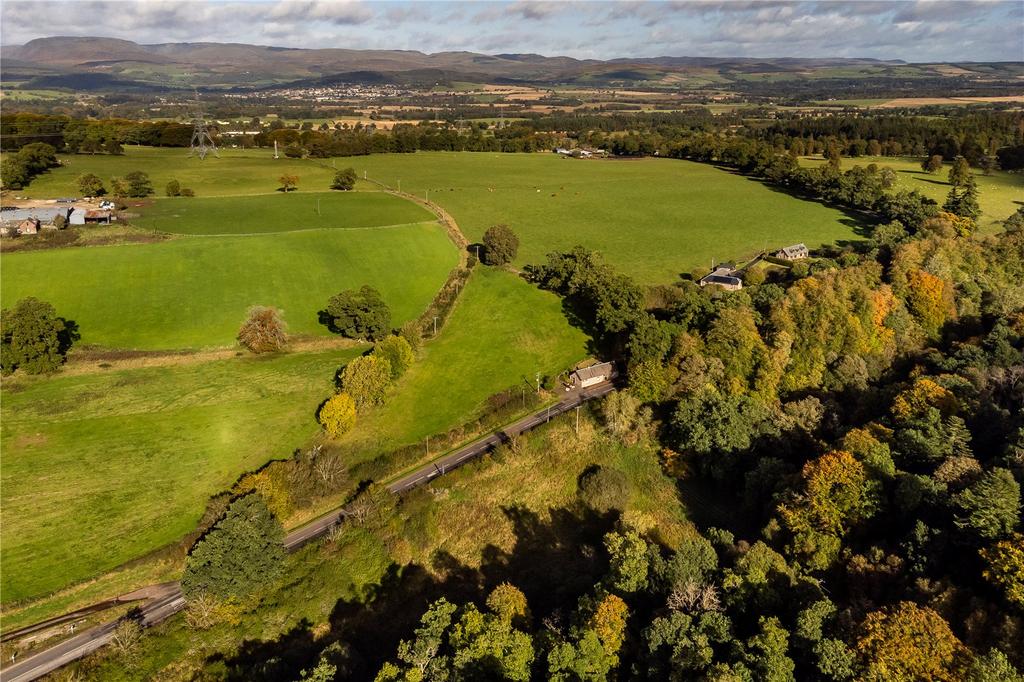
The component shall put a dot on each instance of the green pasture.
(279, 213)
(502, 332)
(1000, 194)
(101, 468)
(653, 218)
(193, 292)
(235, 171)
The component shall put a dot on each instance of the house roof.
(794, 249)
(601, 369)
(97, 214)
(722, 279)
(43, 213)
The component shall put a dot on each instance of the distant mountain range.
(105, 63)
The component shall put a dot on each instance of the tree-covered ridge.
(864, 421)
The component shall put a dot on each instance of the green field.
(236, 171)
(102, 467)
(502, 332)
(653, 218)
(1000, 195)
(280, 213)
(193, 292)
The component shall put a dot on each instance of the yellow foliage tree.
(338, 415)
(914, 402)
(1005, 561)
(930, 299)
(609, 622)
(909, 643)
(509, 603)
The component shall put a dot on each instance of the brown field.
(925, 101)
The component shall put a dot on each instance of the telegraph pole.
(435, 325)
(538, 382)
(577, 420)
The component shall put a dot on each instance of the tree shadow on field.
(861, 222)
(554, 561)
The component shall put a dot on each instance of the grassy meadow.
(1000, 194)
(193, 292)
(653, 218)
(279, 213)
(99, 468)
(235, 171)
(502, 332)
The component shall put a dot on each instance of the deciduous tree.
(264, 330)
(398, 353)
(358, 314)
(338, 414)
(500, 245)
(90, 185)
(367, 379)
(908, 643)
(33, 338)
(344, 179)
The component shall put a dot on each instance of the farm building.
(29, 226)
(595, 374)
(80, 216)
(724, 276)
(794, 252)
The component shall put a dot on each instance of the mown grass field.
(102, 467)
(279, 213)
(235, 171)
(653, 218)
(502, 332)
(193, 292)
(1000, 194)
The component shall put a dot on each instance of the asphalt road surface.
(168, 600)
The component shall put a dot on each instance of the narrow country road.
(168, 600)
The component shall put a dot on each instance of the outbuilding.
(723, 276)
(595, 374)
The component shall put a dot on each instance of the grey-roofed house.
(794, 252)
(595, 374)
(724, 277)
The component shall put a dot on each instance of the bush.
(397, 351)
(264, 330)
(33, 338)
(500, 245)
(604, 489)
(186, 192)
(137, 184)
(173, 189)
(344, 179)
(90, 185)
(241, 554)
(338, 415)
(361, 314)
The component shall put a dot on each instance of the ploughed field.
(652, 218)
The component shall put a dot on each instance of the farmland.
(104, 466)
(193, 292)
(279, 213)
(653, 218)
(233, 172)
(1000, 194)
(502, 333)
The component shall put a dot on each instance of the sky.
(911, 30)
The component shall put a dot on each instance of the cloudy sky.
(912, 30)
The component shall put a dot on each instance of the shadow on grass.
(554, 562)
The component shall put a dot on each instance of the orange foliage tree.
(930, 298)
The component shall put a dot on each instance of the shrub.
(264, 330)
(604, 489)
(338, 415)
(186, 192)
(397, 351)
(91, 185)
(137, 184)
(500, 245)
(173, 189)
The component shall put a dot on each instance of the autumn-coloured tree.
(366, 379)
(338, 415)
(923, 395)
(609, 622)
(836, 494)
(288, 182)
(264, 330)
(930, 298)
(397, 351)
(1005, 567)
(509, 603)
(908, 643)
